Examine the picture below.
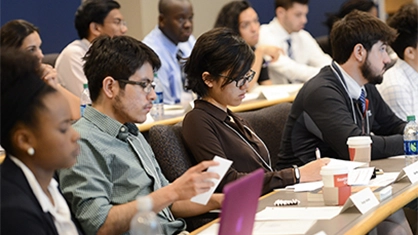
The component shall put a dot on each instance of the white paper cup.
(334, 176)
(359, 148)
(335, 190)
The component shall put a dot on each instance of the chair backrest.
(50, 59)
(268, 123)
(169, 150)
(323, 42)
(174, 159)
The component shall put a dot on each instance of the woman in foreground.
(38, 138)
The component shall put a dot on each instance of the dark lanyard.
(364, 116)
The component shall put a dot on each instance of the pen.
(265, 64)
(317, 153)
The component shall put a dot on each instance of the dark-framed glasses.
(147, 85)
(120, 23)
(240, 81)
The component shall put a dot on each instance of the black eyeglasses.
(240, 81)
(146, 85)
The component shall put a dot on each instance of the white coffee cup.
(334, 176)
(359, 148)
(335, 190)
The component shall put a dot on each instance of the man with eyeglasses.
(173, 41)
(116, 164)
(92, 18)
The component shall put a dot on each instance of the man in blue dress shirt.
(172, 40)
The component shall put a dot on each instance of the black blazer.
(20, 211)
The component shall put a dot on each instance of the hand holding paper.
(194, 181)
(221, 169)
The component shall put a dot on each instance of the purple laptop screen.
(240, 204)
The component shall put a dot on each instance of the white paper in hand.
(221, 169)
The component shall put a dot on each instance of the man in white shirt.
(304, 58)
(93, 18)
(400, 84)
(173, 41)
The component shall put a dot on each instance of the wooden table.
(247, 106)
(352, 221)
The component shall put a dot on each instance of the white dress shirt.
(69, 66)
(353, 88)
(59, 210)
(308, 58)
(399, 89)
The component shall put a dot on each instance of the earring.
(31, 151)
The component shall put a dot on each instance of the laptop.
(240, 204)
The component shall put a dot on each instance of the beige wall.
(142, 15)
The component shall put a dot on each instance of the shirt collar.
(59, 210)
(86, 42)
(214, 111)
(167, 43)
(280, 28)
(36, 188)
(354, 89)
(103, 122)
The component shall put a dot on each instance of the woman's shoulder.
(196, 116)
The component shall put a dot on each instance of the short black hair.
(286, 4)
(405, 21)
(217, 51)
(347, 7)
(92, 11)
(164, 5)
(22, 91)
(358, 27)
(118, 57)
(229, 15)
(14, 32)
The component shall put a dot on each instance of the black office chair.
(50, 59)
(323, 42)
(174, 159)
(268, 123)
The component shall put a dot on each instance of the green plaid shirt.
(113, 168)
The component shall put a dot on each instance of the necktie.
(289, 48)
(180, 60)
(362, 100)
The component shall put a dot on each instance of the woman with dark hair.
(38, 138)
(219, 70)
(23, 35)
(242, 19)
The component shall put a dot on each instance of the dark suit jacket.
(20, 211)
(323, 116)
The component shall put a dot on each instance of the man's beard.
(367, 73)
